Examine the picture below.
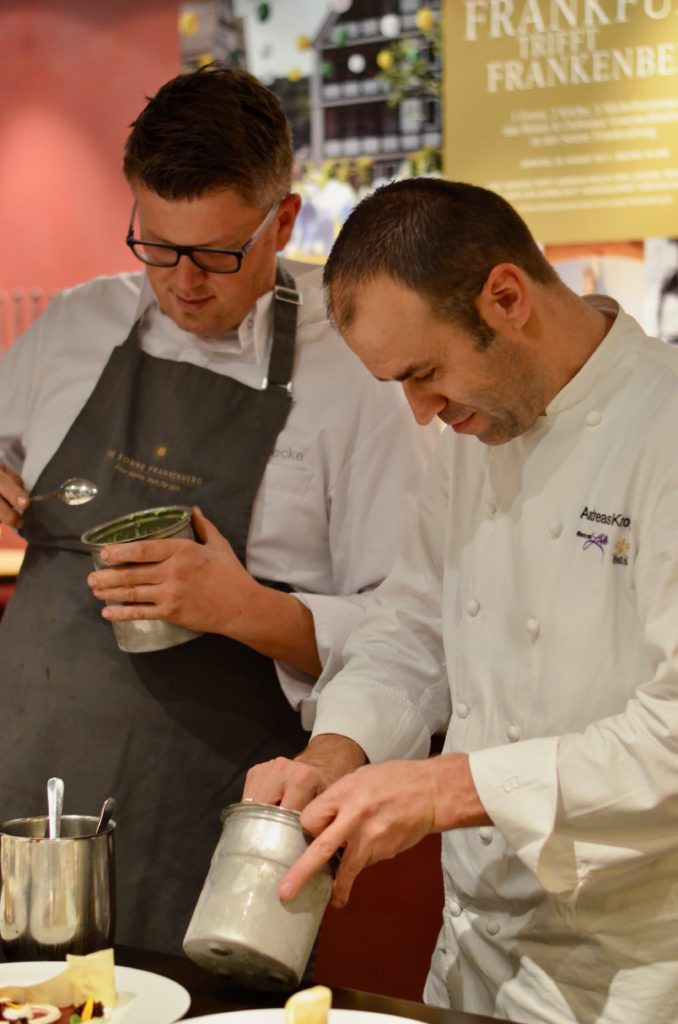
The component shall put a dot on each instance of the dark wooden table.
(212, 994)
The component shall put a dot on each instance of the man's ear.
(287, 214)
(505, 299)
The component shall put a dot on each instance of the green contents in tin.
(136, 526)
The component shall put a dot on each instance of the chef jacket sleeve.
(18, 377)
(586, 807)
(369, 503)
(393, 693)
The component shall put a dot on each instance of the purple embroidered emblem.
(596, 540)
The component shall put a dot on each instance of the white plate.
(277, 1016)
(142, 996)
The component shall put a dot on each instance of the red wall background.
(73, 75)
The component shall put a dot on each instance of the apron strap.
(132, 342)
(286, 301)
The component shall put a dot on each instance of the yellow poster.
(569, 109)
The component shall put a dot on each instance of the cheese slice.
(310, 1006)
(93, 976)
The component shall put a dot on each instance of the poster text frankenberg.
(567, 106)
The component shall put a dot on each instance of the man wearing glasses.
(212, 379)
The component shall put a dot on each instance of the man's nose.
(187, 274)
(424, 404)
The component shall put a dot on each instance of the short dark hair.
(439, 238)
(209, 130)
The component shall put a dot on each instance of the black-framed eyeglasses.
(213, 261)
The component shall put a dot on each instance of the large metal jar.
(240, 926)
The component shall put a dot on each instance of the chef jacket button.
(491, 508)
(472, 606)
(462, 710)
(555, 528)
(593, 418)
(485, 835)
(492, 927)
(454, 908)
(513, 733)
(250, 323)
(532, 626)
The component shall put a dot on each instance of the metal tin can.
(240, 926)
(141, 635)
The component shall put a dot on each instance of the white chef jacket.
(329, 509)
(533, 612)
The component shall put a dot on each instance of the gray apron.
(170, 734)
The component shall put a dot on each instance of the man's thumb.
(204, 529)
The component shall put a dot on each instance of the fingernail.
(106, 612)
(285, 890)
(104, 554)
(22, 502)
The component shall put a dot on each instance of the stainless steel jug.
(57, 896)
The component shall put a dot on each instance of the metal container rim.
(129, 517)
(65, 817)
(249, 807)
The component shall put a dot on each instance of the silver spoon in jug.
(55, 803)
(107, 812)
(74, 491)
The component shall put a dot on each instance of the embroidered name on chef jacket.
(606, 518)
(599, 541)
(288, 454)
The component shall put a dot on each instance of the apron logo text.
(149, 473)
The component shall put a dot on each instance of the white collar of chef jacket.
(618, 345)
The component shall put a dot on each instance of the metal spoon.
(74, 491)
(107, 812)
(55, 803)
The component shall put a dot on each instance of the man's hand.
(293, 784)
(380, 810)
(202, 586)
(13, 497)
